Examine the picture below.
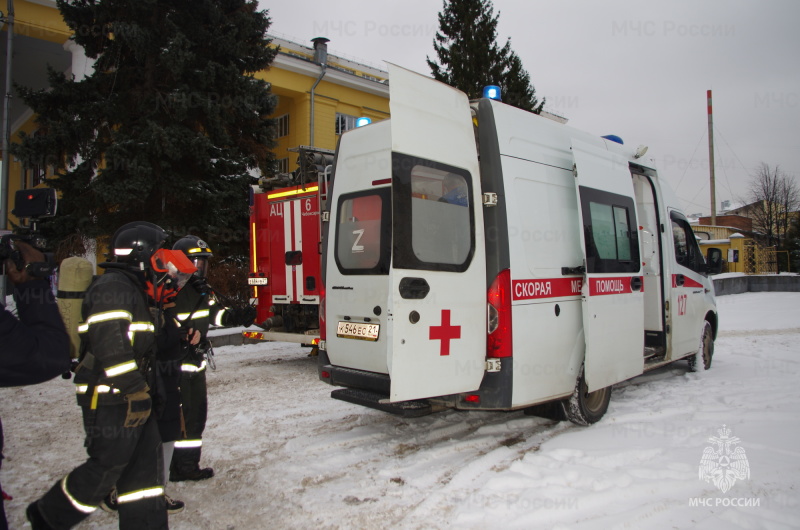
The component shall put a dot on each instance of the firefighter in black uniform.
(35, 345)
(197, 308)
(113, 382)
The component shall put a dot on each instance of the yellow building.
(343, 89)
(40, 38)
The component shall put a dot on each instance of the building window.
(34, 175)
(282, 123)
(34, 172)
(344, 123)
(282, 165)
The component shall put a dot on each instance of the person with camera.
(113, 380)
(197, 308)
(35, 343)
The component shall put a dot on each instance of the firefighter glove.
(139, 406)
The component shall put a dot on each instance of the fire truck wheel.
(584, 407)
(706, 349)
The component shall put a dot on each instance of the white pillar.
(82, 66)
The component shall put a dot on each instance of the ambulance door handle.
(636, 283)
(414, 288)
(679, 280)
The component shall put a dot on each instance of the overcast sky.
(639, 70)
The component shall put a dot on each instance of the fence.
(761, 260)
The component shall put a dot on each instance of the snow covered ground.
(288, 456)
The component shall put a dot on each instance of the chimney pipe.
(320, 50)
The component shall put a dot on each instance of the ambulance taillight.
(498, 342)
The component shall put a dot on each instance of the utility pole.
(711, 162)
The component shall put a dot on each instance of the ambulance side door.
(438, 273)
(688, 290)
(613, 301)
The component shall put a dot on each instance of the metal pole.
(4, 202)
(311, 124)
(711, 162)
(321, 58)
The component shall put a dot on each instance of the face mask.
(202, 267)
(172, 267)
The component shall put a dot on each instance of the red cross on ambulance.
(445, 333)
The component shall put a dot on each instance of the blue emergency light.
(614, 138)
(360, 122)
(492, 92)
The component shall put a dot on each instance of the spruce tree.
(469, 57)
(167, 127)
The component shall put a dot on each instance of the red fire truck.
(285, 249)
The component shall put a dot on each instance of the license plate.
(358, 330)
(257, 281)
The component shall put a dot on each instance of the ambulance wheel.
(584, 407)
(706, 349)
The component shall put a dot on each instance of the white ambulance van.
(478, 256)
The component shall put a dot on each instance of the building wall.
(294, 97)
(39, 21)
(39, 34)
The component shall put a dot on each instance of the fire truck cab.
(479, 256)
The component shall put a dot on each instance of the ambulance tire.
(585, 408)
(706, 349)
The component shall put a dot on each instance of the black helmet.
(193, 247)
(134, 243)
(197, 251)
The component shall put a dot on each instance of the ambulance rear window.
(433, 216)
(363, 233)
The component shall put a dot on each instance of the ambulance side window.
(687, 251)
(612, 242)
(433, 222)
(363, 232)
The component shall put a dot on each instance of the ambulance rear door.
(613, 301)
(438, 272)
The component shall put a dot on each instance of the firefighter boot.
(191, 474)
(35, 517)
(185, 466)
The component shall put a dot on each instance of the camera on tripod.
(32, 204)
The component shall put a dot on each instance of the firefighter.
(197, 307)
(113, 382)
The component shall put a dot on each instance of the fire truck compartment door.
(294, 225)
(438, 272)
(613, 299)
